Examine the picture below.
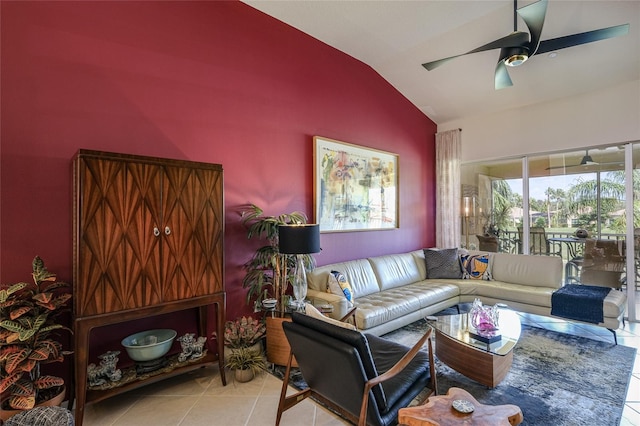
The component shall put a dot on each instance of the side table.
(438, 411)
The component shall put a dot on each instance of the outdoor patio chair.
(604, 263)
(364, 378)
(538, 242)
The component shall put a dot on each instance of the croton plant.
(28, 327)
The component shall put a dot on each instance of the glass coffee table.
(486, 363)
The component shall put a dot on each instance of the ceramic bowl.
(269, 303)
(149, 345)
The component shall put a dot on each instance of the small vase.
(244, 376)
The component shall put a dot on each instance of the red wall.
(216, 82)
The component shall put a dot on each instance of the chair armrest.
(397, 368)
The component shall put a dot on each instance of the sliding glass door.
(546, 204)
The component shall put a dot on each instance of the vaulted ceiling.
(396, 37)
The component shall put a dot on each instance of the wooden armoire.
(148, 240)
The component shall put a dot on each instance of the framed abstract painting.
(355, 187)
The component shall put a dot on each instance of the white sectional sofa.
(392, 291)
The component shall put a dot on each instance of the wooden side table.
(438, 411)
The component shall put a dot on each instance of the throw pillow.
(312, 311)
(442, 263)
(476, 266)
(337, 284)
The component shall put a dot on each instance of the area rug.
(556, 379)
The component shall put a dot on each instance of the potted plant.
(28, 313)
(246, 363)
(266, 276)
(244, 332)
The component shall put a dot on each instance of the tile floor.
(198, 398)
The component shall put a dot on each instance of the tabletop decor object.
(484, 318)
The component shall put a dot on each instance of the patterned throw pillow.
(476, 266)
(442, 263)
(337, 284)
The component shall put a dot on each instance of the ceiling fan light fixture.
(515, 56)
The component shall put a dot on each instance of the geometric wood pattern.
(150, 231)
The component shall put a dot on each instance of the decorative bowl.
(269, 303)
(149, 345)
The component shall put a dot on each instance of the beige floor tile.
(223, 410)
(302, 413)
(157, 411)
(325, 417)
(193, 383)
(234, 388)
(108, 411)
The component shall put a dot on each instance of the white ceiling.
(396, 37)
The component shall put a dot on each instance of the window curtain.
(448, 153)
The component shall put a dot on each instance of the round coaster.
(463, 406)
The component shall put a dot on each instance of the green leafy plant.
(243, 332)
(246, 359)
(28, 313)
(268, 271)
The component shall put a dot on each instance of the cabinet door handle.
(156, 231)
(167, 230)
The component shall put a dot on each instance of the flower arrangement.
(243, 332)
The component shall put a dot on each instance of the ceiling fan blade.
(512, 40)
(533, 15)
(582, 38)
(502, 79)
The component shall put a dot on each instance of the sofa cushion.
(442, 263)
(395, 270)
(379, 308)
(358, 272)
(508, 292)
(530, 270)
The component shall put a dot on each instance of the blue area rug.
(556, 379)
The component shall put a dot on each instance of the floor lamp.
(299, 240)
(467, 212)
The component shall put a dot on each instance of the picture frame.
(355, 187)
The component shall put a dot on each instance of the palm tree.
(596, 198)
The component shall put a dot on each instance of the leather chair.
(364, 378)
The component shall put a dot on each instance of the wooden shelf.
(96, 395)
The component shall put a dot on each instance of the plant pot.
(244, 376)
(277, 344)
(55, 401)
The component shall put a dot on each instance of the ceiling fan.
(519, 46)
(586, 161)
